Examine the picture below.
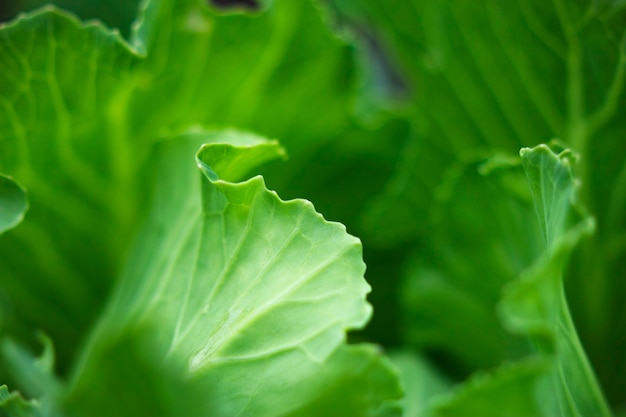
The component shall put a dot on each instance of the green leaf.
(512, 390)
(80, 110)
(496, 75)
(555, 378)
(261, 73)
(60, 89)
(535, 305)
(36, 374)
(12, 404)
(115, 14)
(490, 75)
(484, 236)
(422, 383)
(251, 297)
(232, 163)
(353, 382)
(474, 87)
(267, 73)
(553, 189)
(13, 203)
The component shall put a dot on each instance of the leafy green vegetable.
(98, 128)
(171, 281)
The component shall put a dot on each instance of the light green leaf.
(13, 203)
(269, 72)
(80, 110)
(251, 297)
(232, 163)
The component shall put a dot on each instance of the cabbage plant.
(470, 154)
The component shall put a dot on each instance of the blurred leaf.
(59, 94)
(555, 379)
(282, 73)
(258, 73)
(477, 76)
(12, 404)
(421, 381)
(483, 236)
(117, 14)
(34, 373)
(13, 204)
(535, 305)
(510, 391)
(493, 76)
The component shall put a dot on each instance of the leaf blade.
(269, 289)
